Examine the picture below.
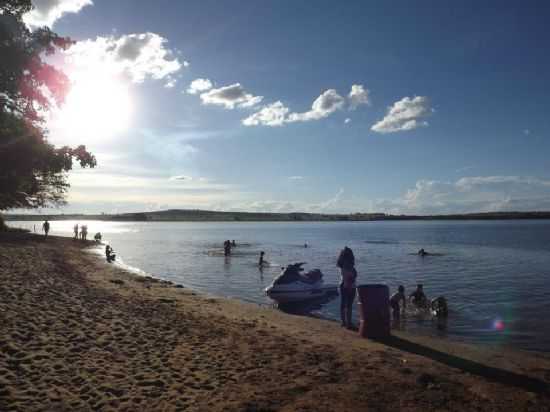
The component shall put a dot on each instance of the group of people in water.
(398, 301)
(437, 306)
(82, 234)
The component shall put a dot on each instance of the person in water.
(418, 297)
(84, 231)
(97, 237)
(233, 244)
(109, 254)
(346, 263)
(394, 302)
(227, 248)
(46, 227)
(422, 252)
(439, 307)
(261, 261)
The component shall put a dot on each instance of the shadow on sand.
(494, 374)
(306, 308)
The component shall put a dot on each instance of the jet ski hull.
(300, 293)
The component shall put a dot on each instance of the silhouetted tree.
(33, 173)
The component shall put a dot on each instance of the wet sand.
(78, 334)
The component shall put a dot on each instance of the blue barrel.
(374, 311)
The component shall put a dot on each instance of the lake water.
(495, 274)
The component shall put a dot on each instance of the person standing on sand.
(84, 232)
(75, 230)
(346, 263)
(46, 227)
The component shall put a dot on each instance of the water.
(495, 274)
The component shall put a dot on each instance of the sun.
(97, 107)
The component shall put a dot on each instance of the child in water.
(394, 302)
(439, 307)
(262, 262)
(418, 297)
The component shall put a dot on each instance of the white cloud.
(277, 114)
(139, 56)
(472, 194)
(199, 85)
(327, 103)
(270, 115)
(405, 114)
(330, 204)
(46, 12)
(170, 83)
(230, 97)
(347, 120)
(181, 177)
(357, 96)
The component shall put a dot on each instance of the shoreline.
(206, 216)
(80, 334)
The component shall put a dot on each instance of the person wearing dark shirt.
(227, 248)
(439, 307)
(418, 297)
(46, 228)
(394, 302)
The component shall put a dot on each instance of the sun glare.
(98, 106)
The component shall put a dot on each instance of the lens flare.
(498, 325)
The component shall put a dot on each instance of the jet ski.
(293, 286)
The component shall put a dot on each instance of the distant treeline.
(213, 216)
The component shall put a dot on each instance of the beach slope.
(78, 334)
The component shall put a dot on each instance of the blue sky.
(449, 112)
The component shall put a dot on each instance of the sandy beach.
(78, 334)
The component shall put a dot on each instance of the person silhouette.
(227, 248)
(346, 263)
(261, 261)
(46, 227)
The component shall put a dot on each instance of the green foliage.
(33, 173)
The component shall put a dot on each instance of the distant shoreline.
(214, 216)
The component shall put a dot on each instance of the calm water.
(494, 274)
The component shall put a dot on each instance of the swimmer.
(394, 302)
(422, 252)
(419, 299)
(439, 307)
(305, 245)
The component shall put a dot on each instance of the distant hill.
(181, 215)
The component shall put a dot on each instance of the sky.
(279, 106)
